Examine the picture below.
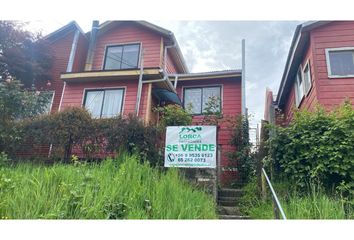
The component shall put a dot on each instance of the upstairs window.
(197, 98)
(122, 57)
(104, 103)
(306, 72)
(340, 62)
(299, 88)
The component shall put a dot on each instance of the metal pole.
(274, 195)
(243, 79)
(140, 84)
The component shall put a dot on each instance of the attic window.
(299, 88)
(121, 57)
(340, 62)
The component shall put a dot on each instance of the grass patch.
(120, 188)
(314, 204)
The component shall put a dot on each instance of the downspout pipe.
(140, 83)
(243, 80)
(92, 44)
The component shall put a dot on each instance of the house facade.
(319, 70)
(130, 67)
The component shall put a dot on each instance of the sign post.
(191, 147)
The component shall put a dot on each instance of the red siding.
(231, 107)
(61, 49)
(336, 34)
(80, 54)
(129, 33)
(74, 93)
(170, 65)
(309, 101)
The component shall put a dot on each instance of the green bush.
(315, 146)
(173, 115)
(241, 158)
(17, 103)
(130, 134)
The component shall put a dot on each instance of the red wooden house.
(123, 67)
(319, 70)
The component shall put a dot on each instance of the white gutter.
(69, 68)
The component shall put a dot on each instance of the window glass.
(307, 78)
(130, 56)
(104, 103)
(199, 97)
(210, 94)
(192, 97)
(112, 103)
(342, 62)
(113, 57)
(93, 102)
(48, 95)
(299, 88)
(122, 57)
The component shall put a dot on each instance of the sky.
(216, 45)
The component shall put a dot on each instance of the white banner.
(191, 147)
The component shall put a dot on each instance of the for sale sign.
(190, 147)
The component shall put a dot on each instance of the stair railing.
(276, 204)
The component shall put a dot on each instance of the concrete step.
(226, 203)
(225, 210)
(230, 192)
(233, 217)
(234, 199)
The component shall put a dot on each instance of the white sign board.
(191, 147)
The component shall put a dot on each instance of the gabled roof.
(61, 32)
(298, 46)
(168, 35)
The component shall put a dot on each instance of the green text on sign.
(190, 147)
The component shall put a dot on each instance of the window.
(104, 103)
(122, 57)
(48, 96)
(299, 88)
(307, 78)
(340, 62)
(198, 97)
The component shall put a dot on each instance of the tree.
(17, 103)
(23, 55)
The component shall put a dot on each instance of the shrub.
(316, 145)
(173, 115)
(241, 158)
(17, 103)
(132, 135)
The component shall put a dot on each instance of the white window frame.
(328, 62)
(298, 99)
(124, 88)
(307, 86)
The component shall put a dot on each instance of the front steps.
(227, 204)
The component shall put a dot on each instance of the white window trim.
(104, 88)
(307, 64)
(206, 86)
(328, 62)
(120, 44)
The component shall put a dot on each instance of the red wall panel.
(129, 33)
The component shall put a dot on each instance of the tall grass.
(120, 188)
(315, 204)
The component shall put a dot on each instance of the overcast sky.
(216, 45)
